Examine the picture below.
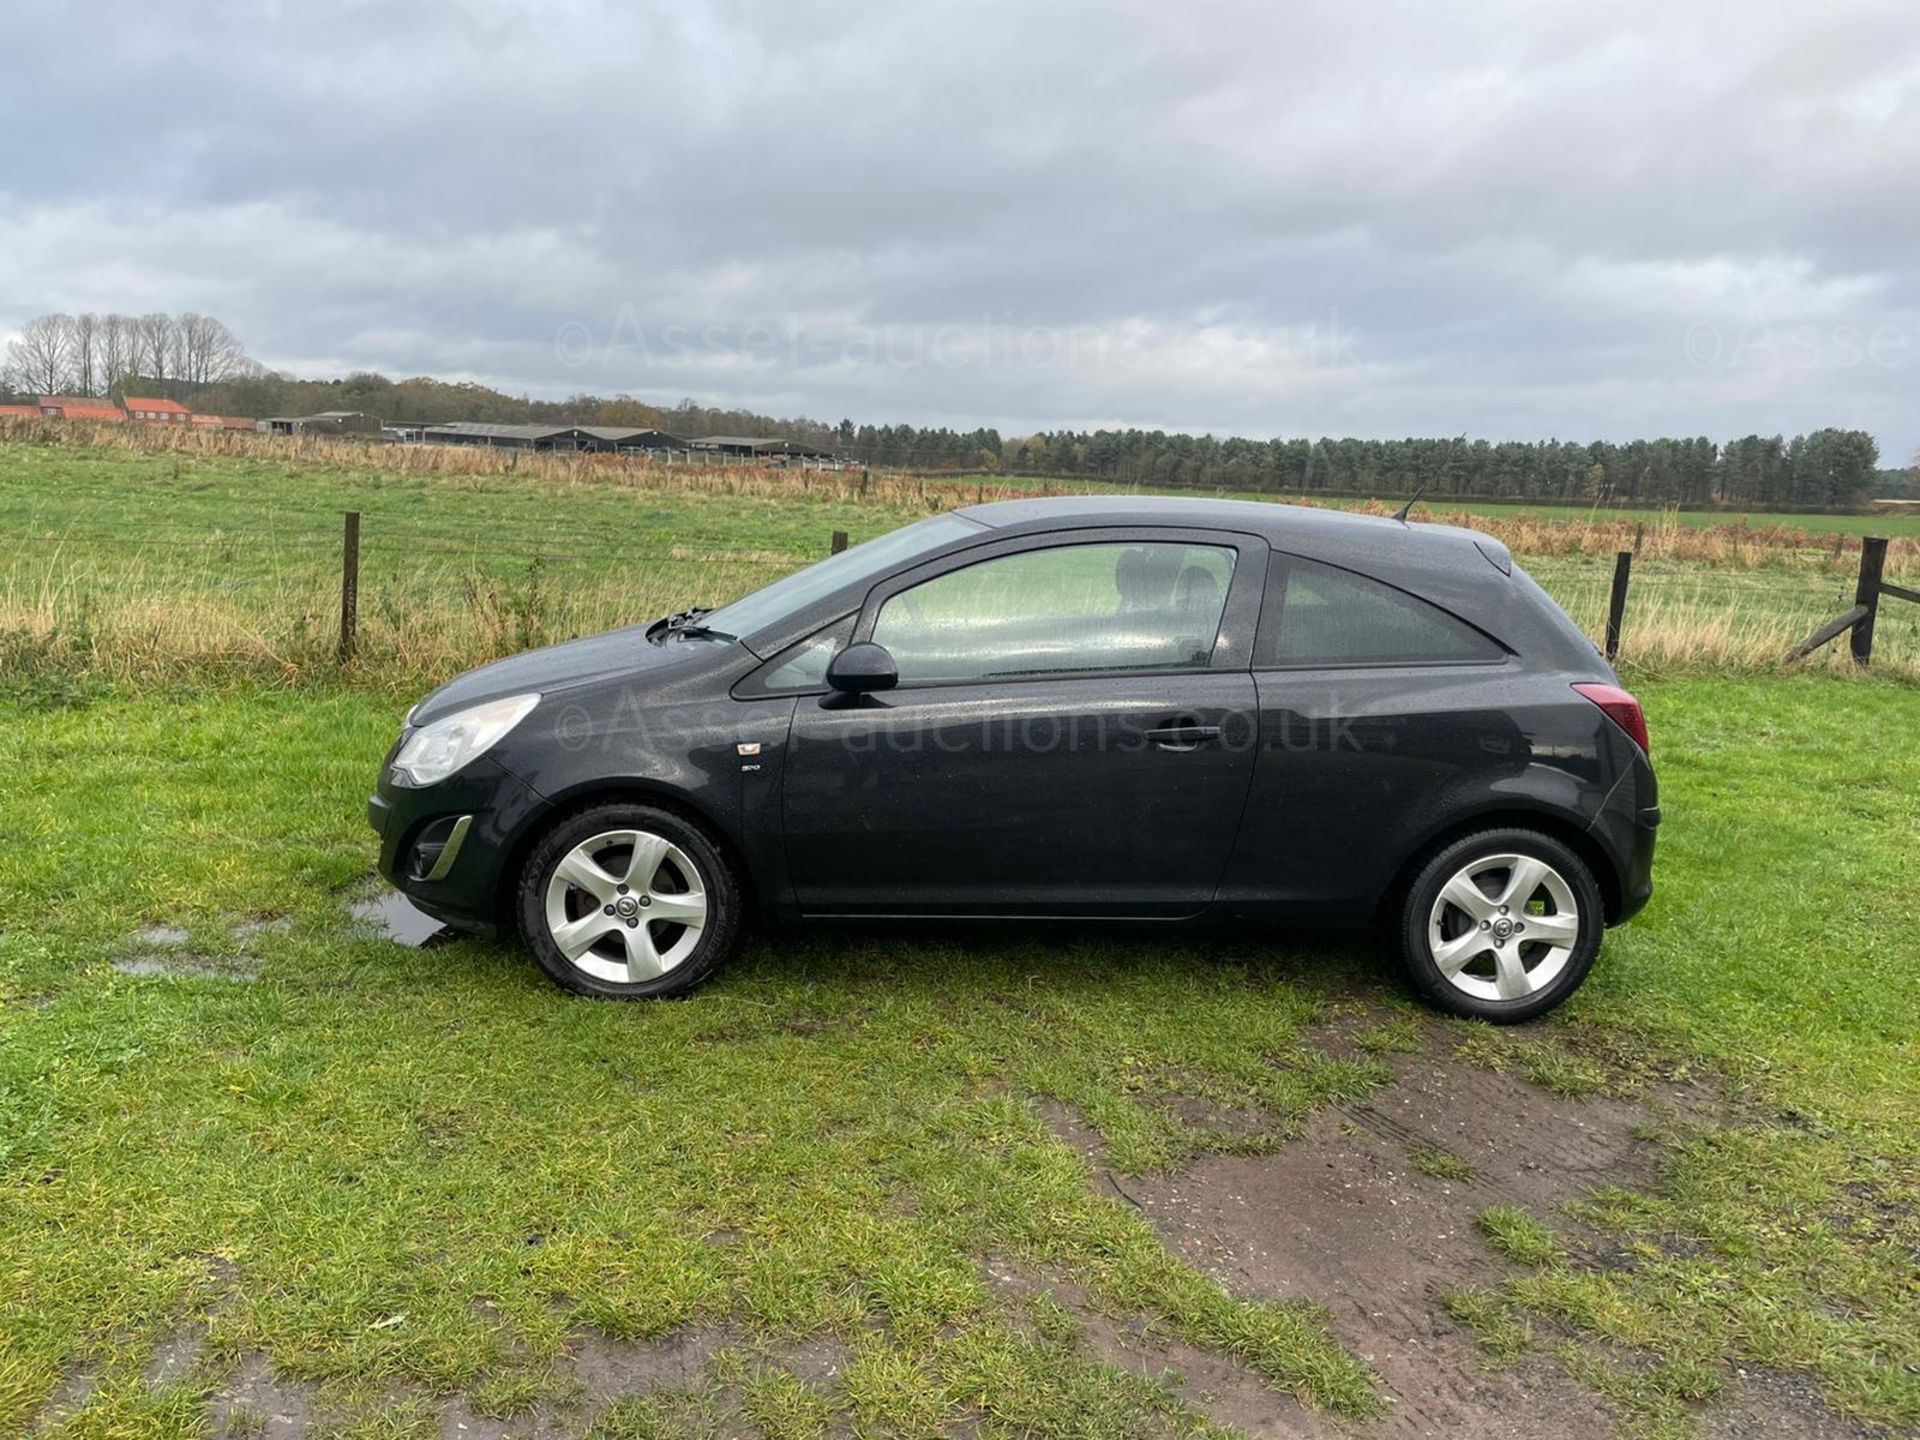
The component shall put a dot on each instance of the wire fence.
(138, 592)
(269, 593)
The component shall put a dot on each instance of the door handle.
(1183, 737)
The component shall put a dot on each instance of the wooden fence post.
(1873, 560)
(349, 585)
(839, 541)
(1617, 602)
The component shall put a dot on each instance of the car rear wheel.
(1503, 925)
(629, 902)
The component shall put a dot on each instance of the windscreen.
(793, 593)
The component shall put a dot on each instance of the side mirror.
(861, 668)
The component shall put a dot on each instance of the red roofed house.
(170, 412)
(79, 407)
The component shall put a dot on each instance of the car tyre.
(1501, 925)
(629, 902)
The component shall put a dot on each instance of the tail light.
(1621, 708)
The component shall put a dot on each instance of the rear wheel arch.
(1510, 950)
(1553, 823)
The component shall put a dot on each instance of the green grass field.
(242, 1135)
(408, 1178)
(1904, 521)
(133, 562)
(1872, 524)
(155, 565)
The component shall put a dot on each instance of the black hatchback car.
(1099, 707)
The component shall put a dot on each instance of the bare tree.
(117, 343)
(41, 360)
(209, 353)
(156, 345)
(86, 354)
(93, 354)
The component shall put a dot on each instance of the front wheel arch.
(681, 847)
(627, 792)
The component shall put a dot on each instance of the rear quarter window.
(1319, 614)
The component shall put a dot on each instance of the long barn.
(591, 439)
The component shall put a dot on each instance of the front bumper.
(446, 846)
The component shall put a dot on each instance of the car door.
(1072, 733)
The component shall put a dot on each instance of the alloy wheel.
(626, 906)
(1503, 927)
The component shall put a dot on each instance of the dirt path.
(1344, 1216)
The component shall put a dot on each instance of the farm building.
(746, 447)
(622, 437)
(79, 407)
(19, 412)
(507, 437)
(588, 438)
(153, 409)
(327, 422)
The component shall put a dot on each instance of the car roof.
(1279, 524)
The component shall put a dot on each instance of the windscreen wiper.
(687, 622)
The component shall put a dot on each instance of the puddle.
(175, 1355)
(263, 925)
(398, 919)
(161, 935)
(609, 1368)
(256, 1402)
(188, 967)
(69, 1397)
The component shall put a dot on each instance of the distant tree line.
(196, 360)
(1899, 484)
(1835, 469)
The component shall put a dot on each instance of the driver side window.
(1070, 609)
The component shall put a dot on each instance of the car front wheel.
(1502, 925)
(629, 902)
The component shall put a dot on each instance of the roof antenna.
(1407, 508)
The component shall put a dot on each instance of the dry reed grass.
(137, 621)
(454, 461)
(1666, 537)
(1735, 545)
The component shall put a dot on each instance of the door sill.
(1022, 916)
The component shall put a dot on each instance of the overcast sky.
(1512, 220)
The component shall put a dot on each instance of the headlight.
(435, 751)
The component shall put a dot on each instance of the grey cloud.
(1492, 218)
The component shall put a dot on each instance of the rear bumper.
(445, 847)
(1636, 887)
(1626, 828)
